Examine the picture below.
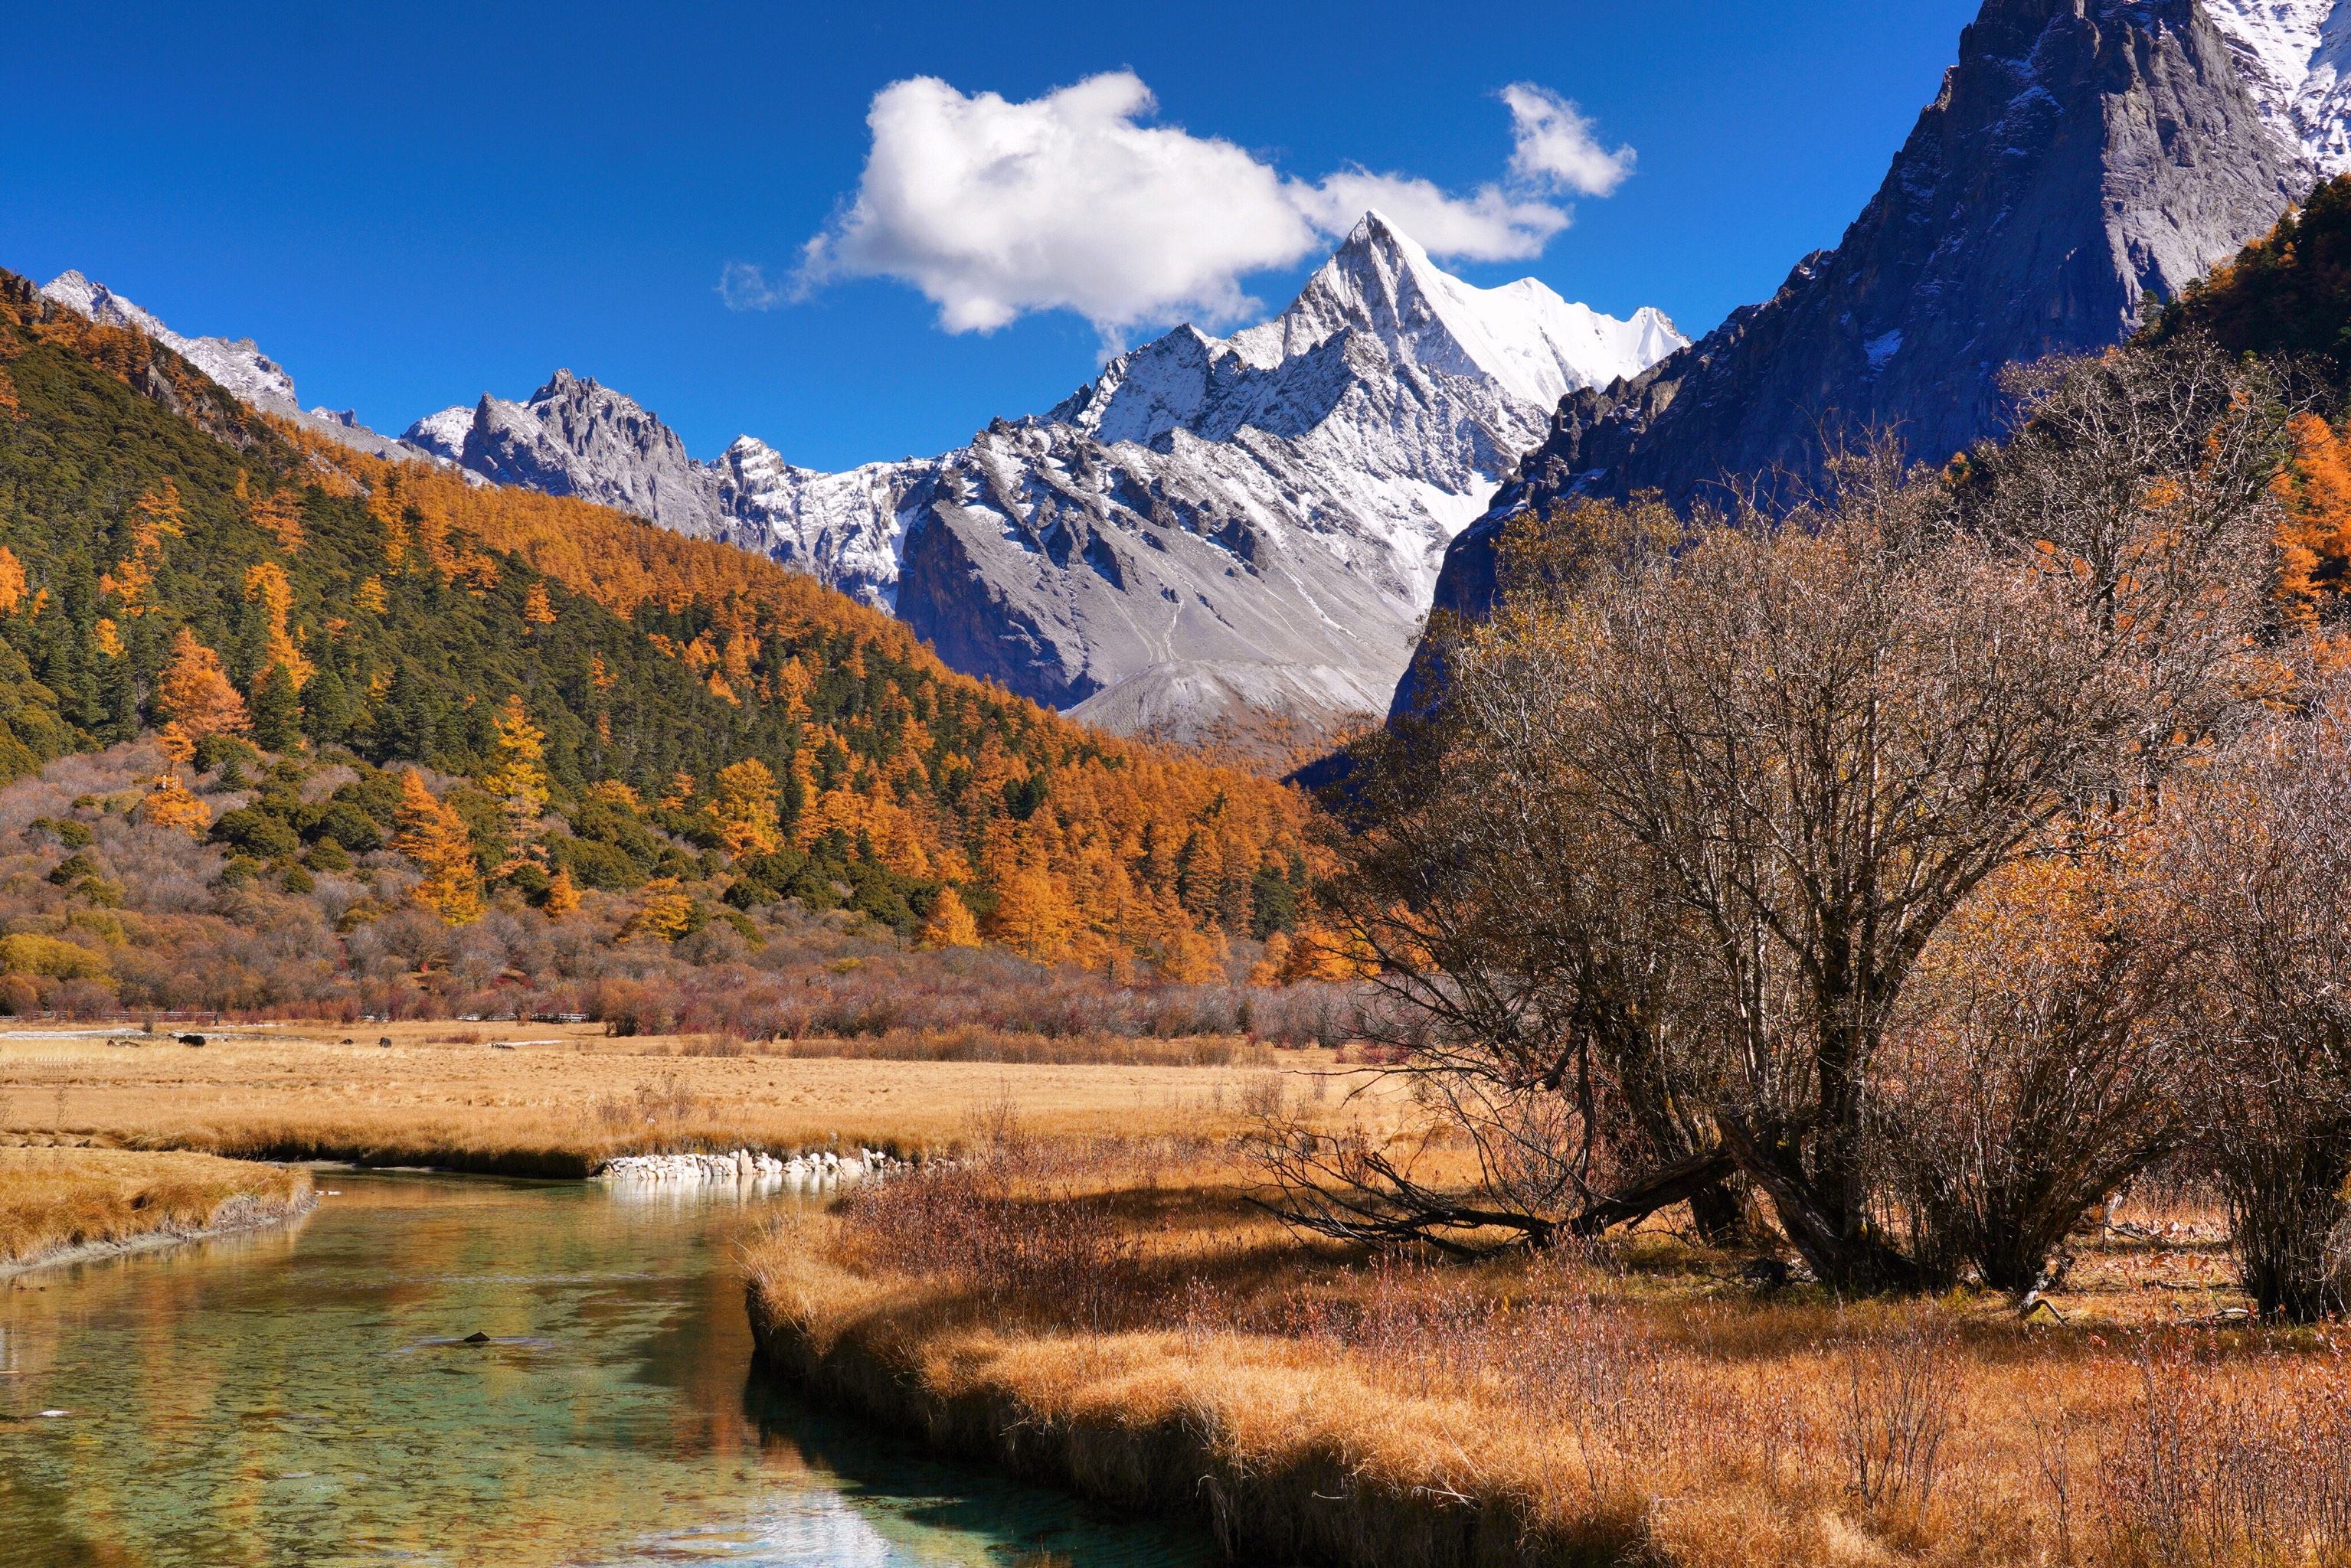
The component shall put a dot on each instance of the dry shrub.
(659, 1106)
(1895, 1404)
(2219, 1464)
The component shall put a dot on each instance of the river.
(304, 1397)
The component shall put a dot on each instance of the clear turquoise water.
(298, 1398)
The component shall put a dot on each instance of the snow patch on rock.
(2296, 56)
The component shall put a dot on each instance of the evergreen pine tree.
(275, 710)
(326, 707)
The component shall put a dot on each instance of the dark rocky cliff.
(2082, 156)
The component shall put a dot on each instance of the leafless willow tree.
(1738, 781)
(2036, 1064)
(2260, 870)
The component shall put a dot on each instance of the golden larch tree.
(2314, 542)
(168, 804)
(279, 517)
(194, 694)
(667, 911)
(433, 836)
(950, 924)
(265, 584)
(1031, 915)
(562, 896)
(519, 782)
(743, 808)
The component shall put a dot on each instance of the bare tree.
(1700, 803)
(2032, 1068)
(2261, 872)
(1532, 980)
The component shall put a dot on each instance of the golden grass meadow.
(1083, 1288)
(1125, 1319)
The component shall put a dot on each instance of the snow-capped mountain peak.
(1379, 286)
(2296, 57)
(1534, 344)
(242, 369)
(1277, 500)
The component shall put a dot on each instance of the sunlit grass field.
(53, 1199)
(1128, 1319)
(562, 1097)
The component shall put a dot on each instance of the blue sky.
(410, 206)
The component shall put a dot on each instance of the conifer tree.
(326, 707)
(1031, 916)
(168, 804)
(432, 835)
(562, 896)
(743, 805)
(275, 712)
(519, 782)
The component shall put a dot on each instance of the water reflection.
(310, 1397)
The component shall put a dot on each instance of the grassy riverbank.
(560, 1098)
(1134, 1328)
(62, 1201)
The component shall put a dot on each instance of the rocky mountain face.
(242, 369)
(2296, 57)
(2082, 156)
(1251, 522)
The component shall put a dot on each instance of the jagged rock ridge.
(2082, 156)
(243, 370)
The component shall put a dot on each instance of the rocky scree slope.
(2082, 158)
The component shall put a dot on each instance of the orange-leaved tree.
(2314, 542)
(743, 807)
(667, 911)
(950, 924)
(562, 896)
(519, 782)
(195, 695)
(168, 804)
(432, 835)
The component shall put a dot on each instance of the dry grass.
(1634, 1405)
(55, 1198)
(563, 1097)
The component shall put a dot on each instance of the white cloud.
(1488, 227)
(1556, 146)
(994, 209)
(745, 288)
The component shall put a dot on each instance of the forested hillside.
(604, 705)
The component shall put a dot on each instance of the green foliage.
(2289, 292)
(263, 832)
(381, 615)
(277, 714)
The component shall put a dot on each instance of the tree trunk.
(1688, 1177)
(1715, 1211)
(1848, 1257)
